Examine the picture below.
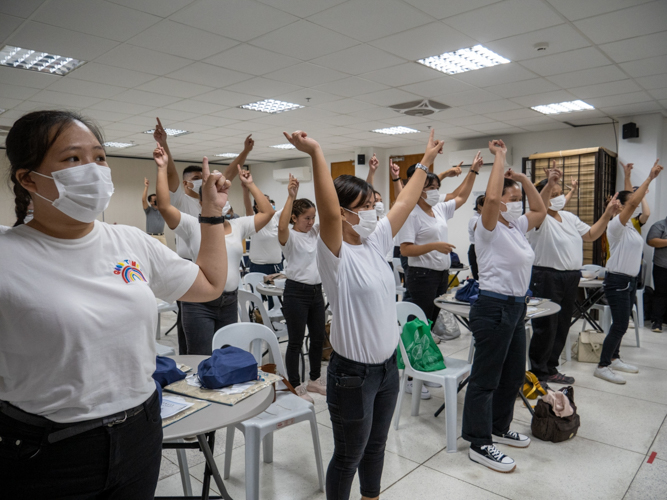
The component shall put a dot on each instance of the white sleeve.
(382, 239)
(521, 224)
(176, 198)
(244, 225)
(615, 228)
(327, 265)
(442, 198)
(287, 247)
(407, 233)
(581, 226)
(482, 233)
(448, 208)
(186, 227)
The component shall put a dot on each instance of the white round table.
(271, 290)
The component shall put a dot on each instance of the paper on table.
(193, 380)
(171, 405)
(532, 311)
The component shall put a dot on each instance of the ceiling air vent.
(419, 108)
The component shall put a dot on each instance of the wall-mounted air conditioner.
(302, 174)
(466, 156)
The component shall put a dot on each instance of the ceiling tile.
(351, 87)
(148, 98)
(8, 104)
(604, 89)
(19, 8)
(526, 87)
(496, 75)
(308, 97)
(9, 24)
(566, 62)
(161, 8)
(208, 74)
(84, 88)
(306, 75)
(575, 9)
(627, 23)
(175, 88)
(514, 114)
(591, 76)
(226, 98)
(233, 114)
(503, 19)
(63, 99)
(358, 59)
(402, 74)
(651, 82)
(618, 100)
(388, 97)
(467, 97)
(122, 107)
(443, 84)
(346, 105)
(96, 17)
(491, 107)
(520, 47)
(262, 87)
(440, 9)
(21, 77)
(17, 92)
(656, 94)
(304, 40)
(368, 20)
(140, 59)
(202, 108)
(101, 73)
(253, 60)
(544, 98)
(632, 109)
(181, 40)
(250, 19)
(641, 46)
(645, 67)
(302, 8)
(98, 114)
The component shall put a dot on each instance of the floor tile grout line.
(645, 455)
(467, 482)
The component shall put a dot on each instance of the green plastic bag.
(421, 348)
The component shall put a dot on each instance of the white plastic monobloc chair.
(248, 301)
(450, 377)
(288, 409)
(400, 289)
(251, 280)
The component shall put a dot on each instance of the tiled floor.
(621, 426)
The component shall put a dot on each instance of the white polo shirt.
(558, 245)
(625, 248)
(300, 256)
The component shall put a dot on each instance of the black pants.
(361, 399)
(303, 305)
(424, 286)
(660, 293)
(202, 320)
(498, 368)
(620, 291)
(472, 260)
(115, 463)
(550, 333)
(266, 269)
(180, 334)
(405, 266)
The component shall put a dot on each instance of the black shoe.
(491, 457)
(560, 378)
(512, 438)
(656, 327)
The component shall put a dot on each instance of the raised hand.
(497, 146)
(554, 176)
(214, 191)
(454, 171)
(515, 176)
(373, 163)
(443, 247)
(302, 142)
(394, 169)
(433, 149)
(248, 144)
(245, 176)
(574, 184)
(293, 186)
(613, 207)
(159, 134)
(146, 183)
(627, 168)
(161, 158)
(477, 162)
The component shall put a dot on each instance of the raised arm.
(212, 258)
(264, 209)
(597, 229)
(409, 196)
(395, 172)
(144, 196)
(633, 202)
(627, 175)
(247, 203)
(286, 215)
(170, 214)
(553, 177)
(160, 137)
(646, 211)
(494, 189)
(372, 167)
(538, 210)
(574, 187)
(326, 199)
(233, 168)
(464, 190)
(451, 172)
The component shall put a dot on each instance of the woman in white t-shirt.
(472, 223)
(201, 320)
(78, 319)
(620, 284)
(362, 377)
(497, 317)
(303, 303)
(559, 255)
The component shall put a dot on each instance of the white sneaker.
(493, 458)
(620, 366)
(302, 392)
(432, 384)
(606, 373)
(319, 386)
(511, 438)
(425, 393)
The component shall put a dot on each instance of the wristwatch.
(211, 220)
(422, 167)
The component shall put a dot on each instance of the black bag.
(549, 427)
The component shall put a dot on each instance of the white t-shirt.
(78, 319)
(4, 229)
(625, 248)
(300, 256)
(190, 232)
(471, 227)
(558, 245)
(420, 229)
(360, 287)
(264, 245)
(504, 257)
(186, 204)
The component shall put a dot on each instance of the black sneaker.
(560, 378)
(511, 438)
(656, 327)
(491, 457)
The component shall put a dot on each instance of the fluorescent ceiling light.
(271, 106)
(172, 132)
(16, 57)
(227, 155)
(463, 60)
(395, 130)
(284, 146)
(562, 107)
(119, 145)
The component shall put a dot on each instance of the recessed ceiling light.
(463, 60)
(283, 146)
(227, 155)
(119, 145)
(271, 106)
(562, 107)
(35, 60)
(172, 132)
(395, 130)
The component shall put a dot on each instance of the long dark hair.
(300, 206)
(28, 142)
(624, 196)
(349, 188)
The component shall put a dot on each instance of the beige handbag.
(589, 346)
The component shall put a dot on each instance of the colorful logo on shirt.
(130, 272)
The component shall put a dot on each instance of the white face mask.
(557, 203)
(379, 209)
(196, 185)
(432, 197)
(514, 211)
(367, 222)
(84, 191)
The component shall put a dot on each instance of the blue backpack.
(227, 366)
(165, 373)
(468, 292)
(455, 261)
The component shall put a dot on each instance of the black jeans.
(115, 463)
(472, 260)
(620, 291)
(498, 368)
(180, 334)
(659, 294)
(266, 269)
(361, 399)
(405, 266)
(303, 305)
(424, 286)
(202, 320)
(550, 332)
